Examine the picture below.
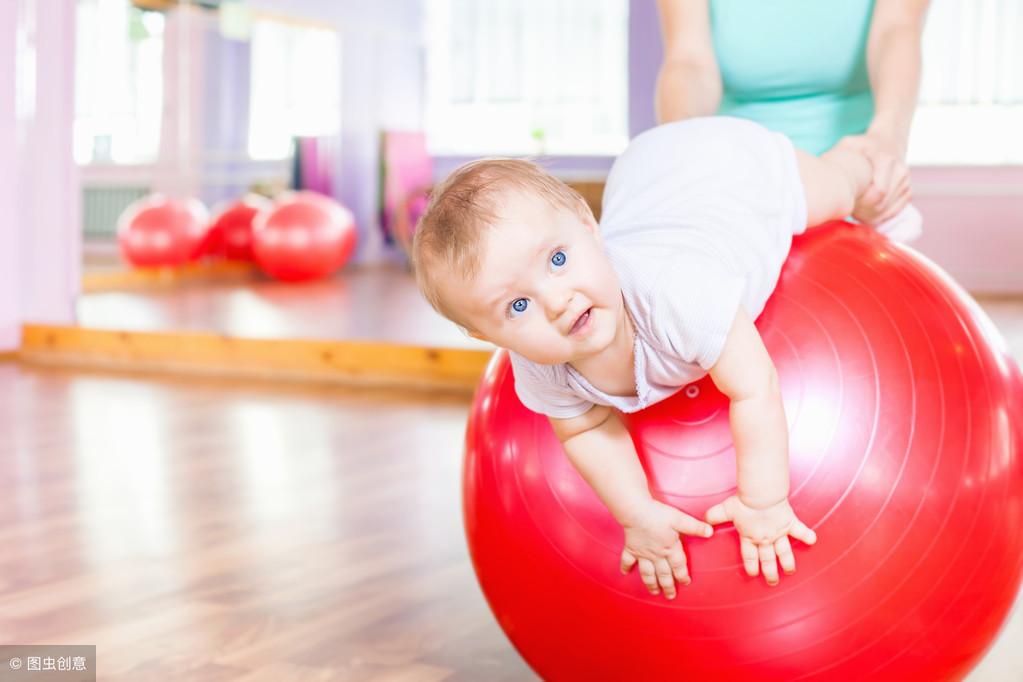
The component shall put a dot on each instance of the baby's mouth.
(580, 321)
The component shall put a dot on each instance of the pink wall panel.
(974, 224)
(10, 315)
(39, 199)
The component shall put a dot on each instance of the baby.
(698, 218)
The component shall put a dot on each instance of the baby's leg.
(832, 182)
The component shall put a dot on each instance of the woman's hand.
(889, 190)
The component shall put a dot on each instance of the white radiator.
(102, 206)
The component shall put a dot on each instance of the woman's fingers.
(872, 198)
(897, 204)
(882, 176)
(899, 185)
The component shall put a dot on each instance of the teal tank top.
(796, 66)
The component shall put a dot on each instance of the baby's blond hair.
(450, 233)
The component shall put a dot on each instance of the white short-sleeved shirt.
(698, 218)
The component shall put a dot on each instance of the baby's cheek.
(546, 347)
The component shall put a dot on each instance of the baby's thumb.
(717, 514)
(628, 561)
(689, 526)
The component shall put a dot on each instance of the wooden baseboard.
(347, 362)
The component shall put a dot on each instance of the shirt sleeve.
(694, 306)
(537, 388)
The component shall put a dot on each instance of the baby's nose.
(557, 301)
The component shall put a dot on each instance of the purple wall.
(225, 109)
(645, 54)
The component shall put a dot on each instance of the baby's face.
(545, 289)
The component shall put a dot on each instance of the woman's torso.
(795, 66)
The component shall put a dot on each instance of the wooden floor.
(198, 531)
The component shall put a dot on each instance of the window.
(295, 86)
(527, 76)
(119, 83)
(971, 94)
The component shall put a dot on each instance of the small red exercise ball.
(303, 236)
(230, 233)
(159, 231)
(905, 414)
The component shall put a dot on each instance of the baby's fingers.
(750, 556)
(717, 514)
(800, 532)
(677, 561)
(664, 577)
(785, 556)
(684, 523)
(648, 575)
(768, 563)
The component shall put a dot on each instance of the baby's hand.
(652, 539)
(763, 535)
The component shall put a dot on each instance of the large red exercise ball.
(230, 232)
(905, 412)
(303, 236)
(161, 231)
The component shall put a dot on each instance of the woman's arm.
(893, 62)
(689, 83)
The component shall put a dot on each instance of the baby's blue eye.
(518, 306)
(558, 259)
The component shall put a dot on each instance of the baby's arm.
(760, 511)
(600, 448)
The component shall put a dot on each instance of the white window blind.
(971, 93)
(527, 76)
(118, 83)
(295, 86)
